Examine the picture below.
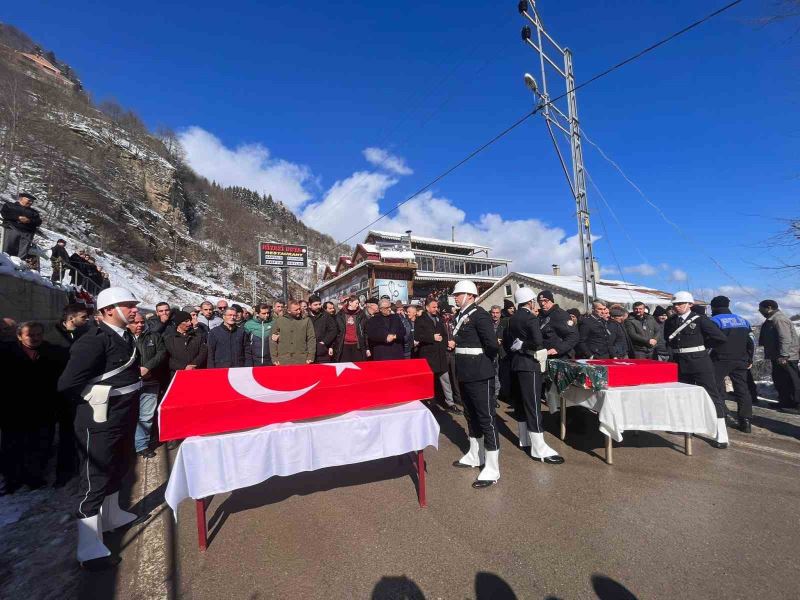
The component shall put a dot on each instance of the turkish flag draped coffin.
(635, 371)
(209, 401)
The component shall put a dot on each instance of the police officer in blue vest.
(475, 346)
(103, 379)
(690, 335)
(733, 358)
(523, 342)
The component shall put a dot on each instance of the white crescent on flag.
(242, 380)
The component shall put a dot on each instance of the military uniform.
(689, 339)
(103, 357)
(476, 348)
(526, 375)
(558, 332)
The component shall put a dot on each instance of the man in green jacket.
(292, 341)
(258, 330)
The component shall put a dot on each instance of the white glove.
(517, 345)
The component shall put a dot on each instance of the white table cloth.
(214, 464)
(678, 407)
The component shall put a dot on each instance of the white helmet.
(682, 297)
(465, 286)
(114, 295)
(523, 295)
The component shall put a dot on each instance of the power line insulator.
(522, 7)
(526, 33)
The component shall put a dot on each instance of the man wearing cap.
(733, 358)
(103, 379)
(475, 346)
(523, 342)
(560, 335)
(689, 335)
(20, 221)
(59, 261)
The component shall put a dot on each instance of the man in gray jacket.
(643, 331)
(781, 347)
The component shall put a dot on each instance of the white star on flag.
(342, 366)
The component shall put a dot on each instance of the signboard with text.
(271, 254)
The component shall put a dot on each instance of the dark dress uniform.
(105, 450)
(526, 375)
(596, 338)
(558, 332)
(690, 350)
(476, 348)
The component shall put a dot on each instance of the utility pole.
(561, 66)
(285, 278)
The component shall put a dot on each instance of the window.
(508, 289)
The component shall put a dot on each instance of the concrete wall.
(24, 300)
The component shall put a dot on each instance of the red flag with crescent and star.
(210, 401)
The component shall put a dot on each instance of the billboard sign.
(271, 254)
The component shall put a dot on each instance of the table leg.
(202, 529)
(563, 402)
(609, 450)
(423, 502)
(688, 438)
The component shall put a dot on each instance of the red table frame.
(200, 504)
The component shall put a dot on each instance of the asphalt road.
(656, 524)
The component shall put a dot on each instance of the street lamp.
(558, 60)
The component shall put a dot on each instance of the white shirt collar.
(120, 331)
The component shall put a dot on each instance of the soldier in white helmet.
(475, 346)
(103, 379)
(524, 343)
(690, 336)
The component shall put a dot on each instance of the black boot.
(730, 421)
(744, 425)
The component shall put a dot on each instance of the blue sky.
(289, 97)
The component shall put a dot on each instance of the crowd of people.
(97, 378)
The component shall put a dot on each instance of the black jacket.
(59, 253)
(62, 339)
(153, 356)
(325, 330)
(740, 345)
(12, 211)
(700, 331)
(523, 325)
(475, 330)
(341, 325)
(36, 401)
(640, 332)
(620, 342)
(429, 349)
(228, 348)
(378, 328)
(558, 332)
(596, 338)
(186, 349)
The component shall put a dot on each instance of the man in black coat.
(228, 345)
(28, 417)
(475, 346)
(521, 340)
(690, 335)
(325, 330)
(186, 349)
(20, 221)
(103, 379)
(386, 333)
(559, 333)
(73, 324)
(351, 342)
(152, 359)
(734, 358)
(430, 332)
(621, 346)
(596, 339)
(59, 261)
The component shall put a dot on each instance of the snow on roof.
(429, 276)
(398, 254)
(608, 290)
(426, 240)
(370, 248)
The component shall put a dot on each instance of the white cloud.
(727, 290)
(248, 165)
(383, 159)
(678, 275)
(641, 269)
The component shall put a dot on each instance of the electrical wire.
(540, 107)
